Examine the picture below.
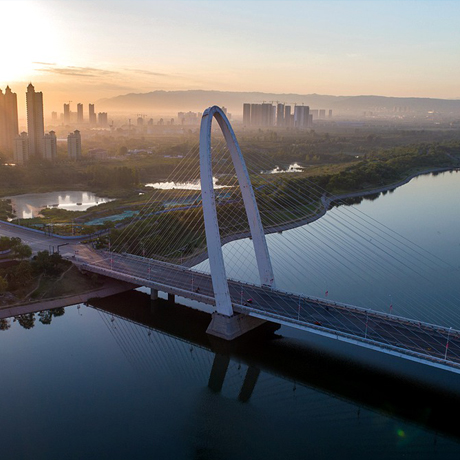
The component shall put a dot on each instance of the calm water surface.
(360, 254)
(90, 384)
(29, 205)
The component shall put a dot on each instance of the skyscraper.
(246, 114)
(74, 145)
(102, 119)
(50, 146)
(8, 120)
(302, 116)
(79, 113)
(21, 149)
(67, 113)
(35, 123)
(280, 115)
(92, 114)
(287, 116)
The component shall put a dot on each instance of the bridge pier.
(252, 374)
(231, 327)
(153, 294)
(171, 298)
(218, 372)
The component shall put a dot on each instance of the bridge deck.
(427, 343)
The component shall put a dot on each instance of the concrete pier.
(231, 327)
(252, 374)
(218, 372)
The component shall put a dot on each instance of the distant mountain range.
(198, 100)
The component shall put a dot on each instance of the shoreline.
(110, 287)
(326, 203)
(116, 287)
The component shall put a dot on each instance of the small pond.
(29, 205)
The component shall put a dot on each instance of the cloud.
(44, 63)
(74, 71)
(149, 72)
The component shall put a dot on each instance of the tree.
(51, 265)
(3, 285)
(22, 251)
(27, 321)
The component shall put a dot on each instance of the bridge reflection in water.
(240, 370)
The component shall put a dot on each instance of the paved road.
(39, 241)
(365, 326)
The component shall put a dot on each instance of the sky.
(85, 50)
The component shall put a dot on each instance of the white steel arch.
(216, 259)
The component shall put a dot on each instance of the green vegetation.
(14, 248)
(377, 169)
(27, 321)
(40, 176)
(342, 160)
(6, 211)
(43, 276)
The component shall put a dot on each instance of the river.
(89, 384)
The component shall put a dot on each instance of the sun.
(27, 36)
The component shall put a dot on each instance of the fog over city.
(351, 48)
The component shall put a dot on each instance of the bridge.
(242, 306)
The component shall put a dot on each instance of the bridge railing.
(354, 322)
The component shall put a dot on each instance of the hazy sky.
(85, 50)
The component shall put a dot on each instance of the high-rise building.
(267, 114)
(102, 119)
(322, 113)
(79, 113)
(21, 149)
(54, 117)
(50, 146)
(92, 114)
(67, 113)
(256, 114)
(280, 115)
(246, 114)
(8, 120)
(35, 123)
(74, 145)
(301, 116)
(287, 116)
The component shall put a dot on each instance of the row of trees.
(27, 320)
(44, 174)
(179, 233)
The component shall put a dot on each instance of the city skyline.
(386, 48)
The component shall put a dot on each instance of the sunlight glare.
(27, 36)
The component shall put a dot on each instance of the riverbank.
(323, 207)
(110, 287)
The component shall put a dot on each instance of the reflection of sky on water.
(292, 168)
(361, 267)
(29, 205)
(191, 185)
(129, 390)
